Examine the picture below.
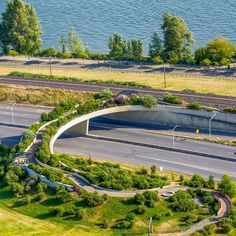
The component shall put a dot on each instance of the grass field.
(202, 85)
(39, 96)
(19, 219)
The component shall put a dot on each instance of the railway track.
(206, 99)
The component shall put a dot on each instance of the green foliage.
(63, 195)
(148, 198)
(220, 51)
(230, 109)
(52, 77)
(41, 187)
(94, 200)
(208, 230)
(206, 62)
(194, 106)
(116, 46)
(20, 29)
(144, 100)
(12, 53)
(156, 48)
(126, 223)
(197, 181)
(169, 98)
(17, 188)
(49, 52)
(227, 186)
(140, 210)
(134, 49)
(105, 94)
(74, 42)
(112, 176)
(182, 201)
(177, 37)
(157, 60)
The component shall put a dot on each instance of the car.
(129, 92)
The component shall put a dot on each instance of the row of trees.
(20, 33)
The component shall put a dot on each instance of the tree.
(227, 186)
(156, 46)
(117, 46)
(134, 49)
(74, 42)
(221, 50)
(211, 182)
(177, 37)
(20, 28)
(17, 188)
(182, 201)
(153, 170)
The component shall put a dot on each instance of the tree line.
(20, 34)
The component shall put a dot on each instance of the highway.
(140, 155)
(11, 132)
(202, 98)
(14, 120)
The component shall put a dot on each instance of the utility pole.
(150, 227)
(165, 77)
(50, 64)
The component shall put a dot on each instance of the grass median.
(217, 86)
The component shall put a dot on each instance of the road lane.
(23, 117)
(124, 153)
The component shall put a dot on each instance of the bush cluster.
(182, 201)
(111, 175)
(52, 77)
(94, 200)
(169, 98)
(125, 223)
(148, 198)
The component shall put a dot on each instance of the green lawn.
(17, 218)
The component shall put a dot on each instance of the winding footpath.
(29, 157)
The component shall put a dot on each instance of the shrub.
(182, 201)
(141, 210)
(169, 98)
(148, 101)
(58, 211)
(12, 53)
(194, 106)
(93, 199)
(230, 109)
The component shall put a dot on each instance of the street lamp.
(210, 123)
(173, 133)
(12, 113)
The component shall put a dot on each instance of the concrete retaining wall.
(178, 116)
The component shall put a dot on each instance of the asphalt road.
(11, 130)
(202, 98)
(139, 155)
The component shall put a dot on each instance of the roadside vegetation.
(112, 176)
(39, 96)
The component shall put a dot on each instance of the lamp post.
(210, 123)
(165, 77)
(12, 113)
(173, 133)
